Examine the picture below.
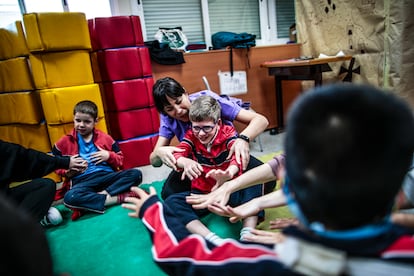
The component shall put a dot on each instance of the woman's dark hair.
(348, 149)
(166, 87)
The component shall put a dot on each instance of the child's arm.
(111, 152)
(179, 252)
(252, 207)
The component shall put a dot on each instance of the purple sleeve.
(277, 162)
(230, 107)
(165, 127)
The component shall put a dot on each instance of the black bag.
(162, 53)
(221, 40)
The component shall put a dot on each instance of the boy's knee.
(136, 174)
(69, 198)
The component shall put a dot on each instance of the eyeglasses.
(206, 129)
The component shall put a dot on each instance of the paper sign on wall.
(233, 85)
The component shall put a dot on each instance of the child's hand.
(134, 204)
(100, 156)
(72, 172)
(235, 214)
(191, 168)
(220, 176)
(267, 237)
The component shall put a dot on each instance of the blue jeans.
(84, 191)
(187, 213)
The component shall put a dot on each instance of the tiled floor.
(270, 143)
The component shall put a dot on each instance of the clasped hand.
(100, 156)
(77, 165)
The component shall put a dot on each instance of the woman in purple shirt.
(173, 103)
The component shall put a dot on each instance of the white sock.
(245, 231)
(213, 238)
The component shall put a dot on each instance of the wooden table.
(297, 69)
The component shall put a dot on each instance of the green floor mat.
(115, 244)
(112, 243)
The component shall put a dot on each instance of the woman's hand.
(165, 154)
(241, 150)
(77, 163)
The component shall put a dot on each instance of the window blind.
(179, 13)
(234, 16)
(285, 17)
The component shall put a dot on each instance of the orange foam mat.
(15, 75)
(59, 69)
(12, 41)
(56, 31)
(20, 108)
(58, 103)
(29, 136)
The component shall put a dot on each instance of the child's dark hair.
(166, 87)
(86, 107)
(348, 149)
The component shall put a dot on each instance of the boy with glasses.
(203, 160)
(173, 102)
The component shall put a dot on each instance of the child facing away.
(102, 182)
(345, 227)
(204, 160)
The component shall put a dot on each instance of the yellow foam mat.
(58, 103)
(59, 69)
(51, 175)
(20, 108)
(29, 136)
(12, 41)
(58, 131)
(56, 31)
(15, 75)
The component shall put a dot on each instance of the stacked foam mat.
(60, 45)
(21, 115)
(122, 67)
